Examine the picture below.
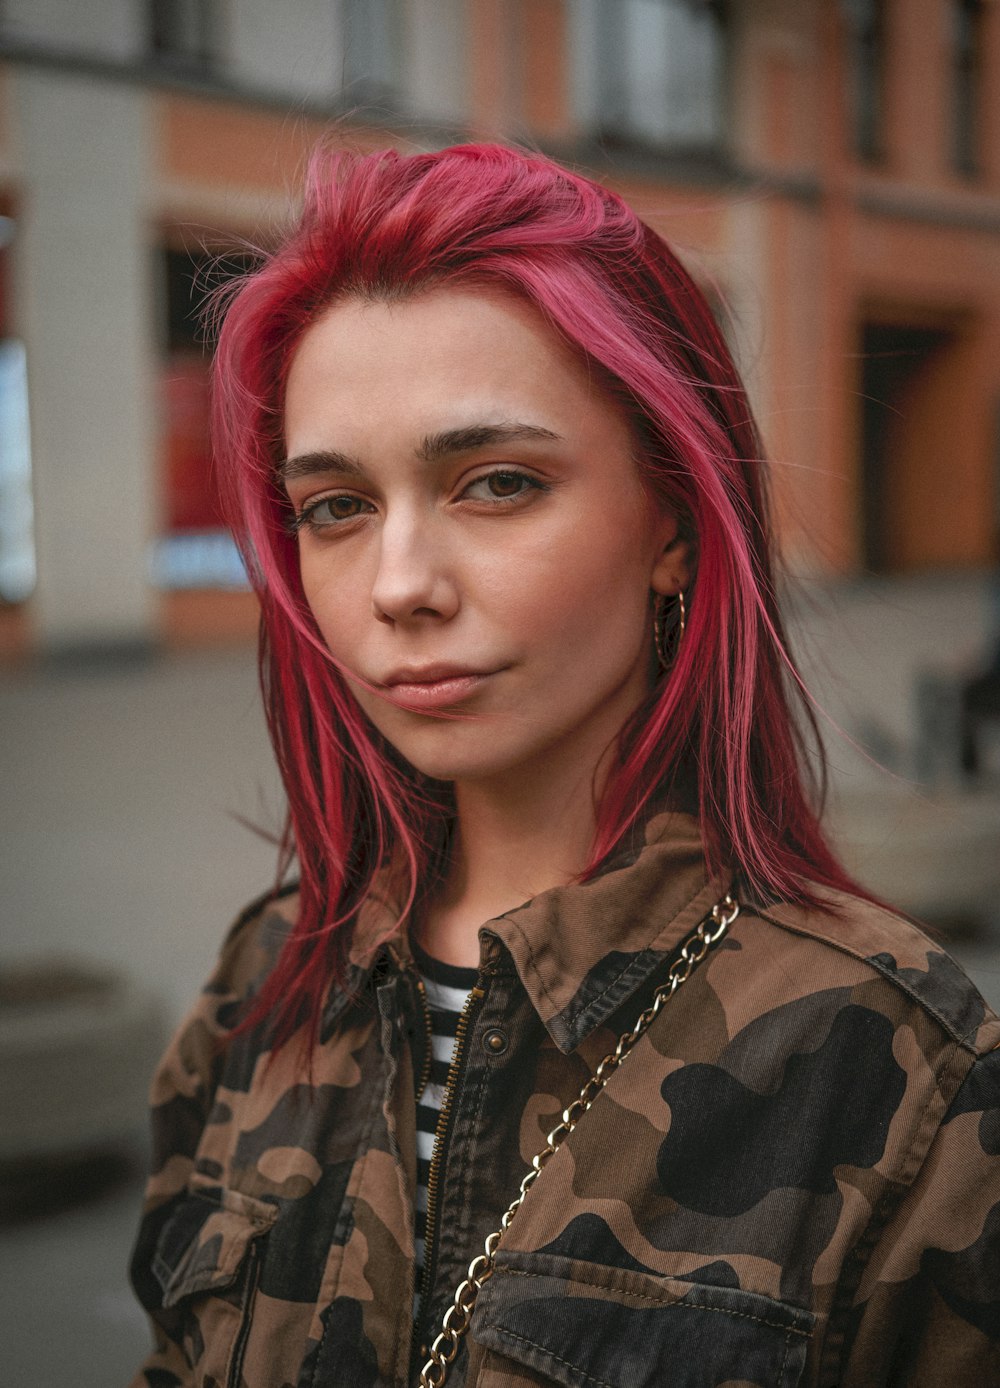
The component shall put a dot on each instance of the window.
(372, 48)
(194, 551)
(966, 18)
(406, 57)
(17, 535)
(866, 62)
(651, 70)
(181, 33)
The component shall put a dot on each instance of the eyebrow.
(324, 460)
(473, 436)
(432, 449)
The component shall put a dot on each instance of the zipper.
(425, 1010)
(441, 1137)
(235, 1374)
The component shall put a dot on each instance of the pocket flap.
(202, 1245)
(578, 1322)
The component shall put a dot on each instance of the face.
(474, 540)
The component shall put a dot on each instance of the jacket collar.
(582, 950)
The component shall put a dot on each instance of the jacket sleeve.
(181, 1098)
(927, 1308)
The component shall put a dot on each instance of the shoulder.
(848, 941)
(249, 951)
(253, 943)
(847, 1025)
(861, 1021)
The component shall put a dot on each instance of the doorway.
(925, 485)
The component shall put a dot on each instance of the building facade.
(828, 169)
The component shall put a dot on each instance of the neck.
(522, 831)
(511, 842)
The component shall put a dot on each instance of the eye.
(328, 512)
(503, 484)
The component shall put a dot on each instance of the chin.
(442, 756)
(450, 768)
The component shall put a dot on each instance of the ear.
(674, 561)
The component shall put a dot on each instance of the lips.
(430, 674)
(434, 686)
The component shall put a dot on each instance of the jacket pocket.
(206, 1263)
(544, 1319)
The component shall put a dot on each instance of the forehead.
(444, 358)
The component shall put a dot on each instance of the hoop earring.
(668, 628)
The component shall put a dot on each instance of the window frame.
(966, 71)
(609, 121)
(202, 55)
(867, 63)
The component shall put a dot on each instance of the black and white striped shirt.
(447, 988)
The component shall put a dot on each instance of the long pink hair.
(383, 226)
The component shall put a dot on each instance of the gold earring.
(668, 628)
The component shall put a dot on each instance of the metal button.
(496, 1041)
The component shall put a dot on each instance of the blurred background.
(830, 172)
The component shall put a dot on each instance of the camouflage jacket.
(794, 1179)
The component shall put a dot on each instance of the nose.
(415, 579)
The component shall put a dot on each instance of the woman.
(498, 486)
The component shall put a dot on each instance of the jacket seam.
(649, 948)
(534, 966)
(566, 1363)
(717, 1310)
(956, 1036)
(573, 1016)
(902, 1183)
(784, 1360)
(574, 1013)
(660, 1301)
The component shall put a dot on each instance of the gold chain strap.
(458, 1316)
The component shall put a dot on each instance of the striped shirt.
(447, 989)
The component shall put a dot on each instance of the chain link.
(456, 1320)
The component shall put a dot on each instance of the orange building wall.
(492, 94)
(830, 265)
(544, 61)
(917, 96)
(223, 144)
(942, 508)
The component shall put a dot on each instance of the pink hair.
(384, 226)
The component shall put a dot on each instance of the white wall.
(82, 288)
(435, 67)
(865, 646)
(98, 28)
(293, 48)
(123, 844)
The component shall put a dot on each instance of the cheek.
(339, 603)
(575, 593)
(581, 647)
